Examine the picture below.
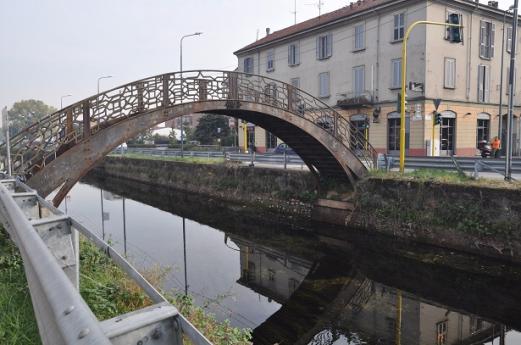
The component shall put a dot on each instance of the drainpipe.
(469, 51)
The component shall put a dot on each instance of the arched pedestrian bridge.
(61, 148)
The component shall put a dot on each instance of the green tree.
(210, 128)
(26, 112)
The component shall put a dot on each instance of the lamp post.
(181, 70)
(508, 161)
(404, 76)
(61, 100)
(103, 77)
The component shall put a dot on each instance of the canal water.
(312, 284)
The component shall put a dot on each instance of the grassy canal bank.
(105, 288)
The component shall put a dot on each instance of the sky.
(52, 48)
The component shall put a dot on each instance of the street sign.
(437, 102)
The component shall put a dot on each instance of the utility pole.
(511, 81)
(295, 13)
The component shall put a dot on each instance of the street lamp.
(181, 70)
(103, 77)
(508, 160)
(61, 100)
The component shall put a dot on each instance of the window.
(450, 73)
(271, 275)
(360, 36)
(270, 63)
(483, 84)
(248, 65)
(359, 131)
(509, 39)
(292, 285)
(483, 128)
(323, 84)
(295, 82)
(486, 39)
(324, 46)
(393, 132)
(251, 137)
(441, 333)
(358, 80)
(271, 140)
(294, 54)
(396, 73)
(399, 26)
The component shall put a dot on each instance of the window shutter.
(297, 53)
(289, 54)
(492, 39)
(487, 84)
(329, 45)
(480, 83)
(509, 40)
(482, 36)
(318, 48)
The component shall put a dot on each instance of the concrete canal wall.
(289, 193)
(478, 219)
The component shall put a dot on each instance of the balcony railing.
(348, 100)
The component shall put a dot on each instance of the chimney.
(493, 4)
(268, 31)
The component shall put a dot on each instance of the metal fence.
(48, 242)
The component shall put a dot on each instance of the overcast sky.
(51, 48)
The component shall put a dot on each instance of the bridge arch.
(61, 148)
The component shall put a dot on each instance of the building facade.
(351, 60)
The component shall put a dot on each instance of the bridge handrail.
(41, 142)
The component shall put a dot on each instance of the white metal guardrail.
(465, 163)
(49, 245)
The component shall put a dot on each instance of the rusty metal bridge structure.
(59, 149)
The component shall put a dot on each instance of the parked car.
(284, 147)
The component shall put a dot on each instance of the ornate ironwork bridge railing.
(42, 142)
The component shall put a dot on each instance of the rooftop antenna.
(319, 5)
(295, 12)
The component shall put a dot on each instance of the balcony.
(350, 100)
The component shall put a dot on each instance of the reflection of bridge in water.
(61, 148)
(349, 290)
(333, 301)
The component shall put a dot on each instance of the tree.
(26, 112)
(210, 128)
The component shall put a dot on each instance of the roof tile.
(346, 11)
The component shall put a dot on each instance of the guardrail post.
(86, 119)
(290, 90)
